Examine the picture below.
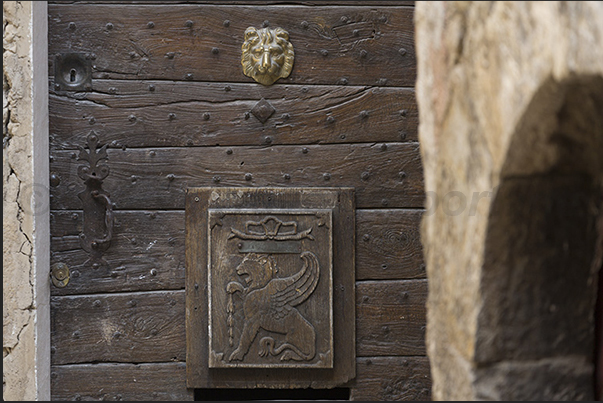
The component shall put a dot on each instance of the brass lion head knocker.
(267, 54)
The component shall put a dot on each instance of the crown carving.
(271, 228)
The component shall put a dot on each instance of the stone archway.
(509, 95)
(543, 250)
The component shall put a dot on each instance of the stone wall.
(25, 236)
(510, 97)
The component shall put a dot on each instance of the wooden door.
(168, 98)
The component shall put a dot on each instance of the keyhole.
(72, 74)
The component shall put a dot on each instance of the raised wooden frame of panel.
(330, 206)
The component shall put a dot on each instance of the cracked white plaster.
(18, 310)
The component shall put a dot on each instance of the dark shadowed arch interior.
(544, 245)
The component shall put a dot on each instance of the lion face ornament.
(267, 54)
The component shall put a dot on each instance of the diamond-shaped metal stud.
(263, 110)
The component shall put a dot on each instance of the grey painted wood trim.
(40, 195)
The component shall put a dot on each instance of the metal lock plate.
(270, 286)
(72, 72)
(60, 275)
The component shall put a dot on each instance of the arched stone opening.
(535, 334)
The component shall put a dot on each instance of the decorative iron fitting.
(98, 209)
(267, 54)
(73, 72)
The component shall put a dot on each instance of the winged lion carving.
(269, 303)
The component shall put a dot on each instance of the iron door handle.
(108, 219)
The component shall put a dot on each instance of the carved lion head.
(267, 54)
(257, 270)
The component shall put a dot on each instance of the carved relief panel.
(271, 270)
(270, 287)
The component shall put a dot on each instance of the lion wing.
(293, 290)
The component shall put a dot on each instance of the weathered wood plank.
(392, 378)
(391, 317)
(365, 45)
(142, 382)
(390, 320)
(378, 379)
(133, 328)
(146, 253)
(383, 175)
(126, 113)
(147, 240)
(388, 245)
(247, 2)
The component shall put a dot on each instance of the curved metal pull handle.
(97, 229)
(108, 219)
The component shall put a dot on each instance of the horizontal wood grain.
(247, 2)
(154, 240)
(378, 379)
(383, 175)
(127, 113)
(391, 379)
(150, 326)
(363, 44)
(111, 381)
(133, 328)
(390, 317)
(146, 253)
(388, 245)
